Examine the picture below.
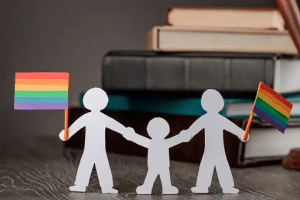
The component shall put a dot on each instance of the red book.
(290, 12)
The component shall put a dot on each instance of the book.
(264, 18)
(234, 107)
(290, 12)
(267, 145)
(186, 74)
(180, 38)
(191, 73)
(241, 107)
(286, 76)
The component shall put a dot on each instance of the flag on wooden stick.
(42, 91)
(271, 107)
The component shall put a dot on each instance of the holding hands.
(185, 135)
(128, 133)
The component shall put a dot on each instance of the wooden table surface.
(41, 168)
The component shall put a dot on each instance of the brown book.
(290, 12)
(265, 18)
(179, 38)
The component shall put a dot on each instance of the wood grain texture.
(41, 168)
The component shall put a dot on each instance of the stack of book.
(227, 49)
(254, 31)
(222, 30)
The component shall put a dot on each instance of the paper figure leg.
(83, 174)
(225, 176)
(146, 188)
(104, 175)
(205, 175)
(167, 188)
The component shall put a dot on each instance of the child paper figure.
(214, 153)
(158, 154)
(94, 152)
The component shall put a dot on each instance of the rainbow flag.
(272, 107)
(41, 91)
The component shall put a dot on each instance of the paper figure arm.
(197, 126)
(115, 125)
(130, 135)
(234, 129)
(76, 126)
(183, 136)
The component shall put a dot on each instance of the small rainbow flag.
(272, 107)
(41, 91)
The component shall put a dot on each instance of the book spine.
(189, 16)
(198, 39)
(166, 16)
(185, 74)
(152, 41)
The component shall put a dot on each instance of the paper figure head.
(158, 128)
(212, 101)
(95, 99)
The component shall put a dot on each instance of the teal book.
(233, 108)
(162, 105)
(241, 108)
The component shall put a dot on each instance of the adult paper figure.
(214, 153)
(158, 154)
(94, 152)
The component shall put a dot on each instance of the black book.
(186, 73)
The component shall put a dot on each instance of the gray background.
(72, 36)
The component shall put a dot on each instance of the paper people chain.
(94, 152)
(38, 91)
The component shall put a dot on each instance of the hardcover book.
(186, 72)
(203, 39)
(267, 145)
(264, 18)
(241, 107)
(290, 12)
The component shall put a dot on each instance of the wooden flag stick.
(66, 136)
(245, 136)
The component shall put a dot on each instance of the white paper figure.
(158, 154)
(214, 153)
(94, 152)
